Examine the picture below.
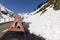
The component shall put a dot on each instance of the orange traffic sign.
(16, 25)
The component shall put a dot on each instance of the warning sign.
(16, 25)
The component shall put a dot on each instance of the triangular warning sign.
(16, 25)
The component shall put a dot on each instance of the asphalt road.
(11, 35)
(3, 27)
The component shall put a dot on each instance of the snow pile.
(47, 25)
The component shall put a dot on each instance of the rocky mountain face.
(57, 5)
(46, 4)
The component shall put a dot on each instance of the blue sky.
(20, 6)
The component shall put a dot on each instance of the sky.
(21, 6)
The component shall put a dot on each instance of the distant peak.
(1, 5)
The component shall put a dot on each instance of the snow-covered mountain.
(46, 21)
(6, 15)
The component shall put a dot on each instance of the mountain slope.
(6, 15)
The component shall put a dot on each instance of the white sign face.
(16, 25)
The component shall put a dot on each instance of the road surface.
(3, 27)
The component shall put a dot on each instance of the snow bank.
(47, 25)
(6, 18)
(1, 20)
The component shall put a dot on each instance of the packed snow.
(47, 25)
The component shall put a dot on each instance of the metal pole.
(4, 20)
(0, 10)
(25, 35)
